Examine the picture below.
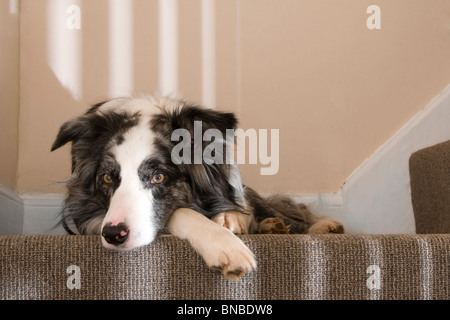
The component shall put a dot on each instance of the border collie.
(126, 187)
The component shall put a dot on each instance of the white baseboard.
(11, 211)
(41, 214)
(376, 197)
(29, 214)
(329, 205)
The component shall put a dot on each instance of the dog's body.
(126, 187)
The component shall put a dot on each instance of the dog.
(126, 186)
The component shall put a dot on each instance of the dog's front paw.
(218, 246)
(232, 220)
(228, 254)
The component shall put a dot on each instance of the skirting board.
(41, 214)
(376, 197)
(11, 211)
(29, 214)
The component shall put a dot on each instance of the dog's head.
(125, 184)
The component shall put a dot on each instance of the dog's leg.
(235, 221)
(326, 226)
(218, 246)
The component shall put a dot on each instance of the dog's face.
(124, 184)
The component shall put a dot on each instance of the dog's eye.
(158, 178)
(107, 178)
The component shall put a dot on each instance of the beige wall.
(337, 90)
(9, 93)
(312, 69)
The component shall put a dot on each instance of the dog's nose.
(115, 234)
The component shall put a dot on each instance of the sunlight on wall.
(238, 58)
(64, 47)
(64, 44)
(209, 53)
(13, 6)
(121, 43)
(168, 46)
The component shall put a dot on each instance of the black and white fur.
(121, 150)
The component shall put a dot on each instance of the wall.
(334, 88)
(9, 92)
(11, 213)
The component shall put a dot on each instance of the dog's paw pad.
(234, 274)
(273, 226)
(234, 221)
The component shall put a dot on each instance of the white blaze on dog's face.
(129, 221)
(131, 218)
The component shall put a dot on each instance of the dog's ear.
(71, 131)
(185, 116)
(94, 127)
(74, 129)
(211, 118)
(90, 133)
